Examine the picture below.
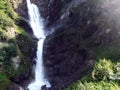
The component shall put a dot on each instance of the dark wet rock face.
(54, 10)
(65, 60)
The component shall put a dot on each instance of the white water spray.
(37, 27)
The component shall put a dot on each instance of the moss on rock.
(16, 48)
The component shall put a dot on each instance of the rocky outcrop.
(65, 60)
(54, 10)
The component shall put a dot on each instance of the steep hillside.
(17, 49)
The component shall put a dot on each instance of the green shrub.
(102, 70)
(8, 51)
(116, 74)
(6, 54)
(94, 86)
(117, 67)
(2, 4)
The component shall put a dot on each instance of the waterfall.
(37, 26)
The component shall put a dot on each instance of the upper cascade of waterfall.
(36, 20)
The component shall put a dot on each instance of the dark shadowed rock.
(14, 86)
(44, 87)
(54, 10)
(64, 59)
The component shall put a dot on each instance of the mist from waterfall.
(36, 23)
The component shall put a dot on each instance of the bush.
(6, 53)
(102, 70)
(117, 67)
(116, 74)
(94, 86)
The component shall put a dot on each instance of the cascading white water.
(37, 27)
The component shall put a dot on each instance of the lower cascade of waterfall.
(37, 27)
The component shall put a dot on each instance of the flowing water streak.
(37, 27)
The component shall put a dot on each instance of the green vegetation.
(15, 46)
(105, 76)
(106, 71)
(102, 70)
(5, 7)
(102, 85)
(5, 21)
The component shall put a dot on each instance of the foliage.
(5, 21)
(105, 70)
(94, 86)
(8, 51)
(105, 76)
(102, 70)
(5, 14)
(116, 74)
(6, 8)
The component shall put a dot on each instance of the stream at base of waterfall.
(36, 23)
